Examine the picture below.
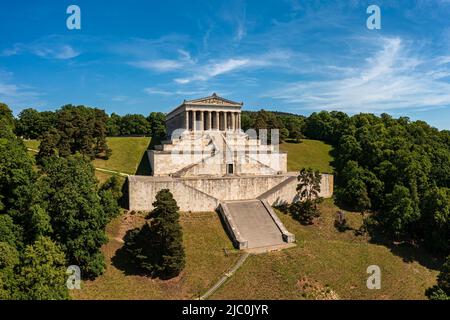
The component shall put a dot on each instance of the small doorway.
(230, 168)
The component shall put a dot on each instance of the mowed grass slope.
(206, 260)
(328, 263)
(127, 153)
(308, 153)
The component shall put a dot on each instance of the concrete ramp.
(254, 224)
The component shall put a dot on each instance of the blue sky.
(294, 56)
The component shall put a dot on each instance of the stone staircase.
(254, 224)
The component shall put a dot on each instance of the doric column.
(233, 121)
(239, 121)
(209, 120)
(217, 126)
(186, 119)
(225, 121)
(202, 121)
(194, 122)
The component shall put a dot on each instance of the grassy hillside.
(127, 154)
(129, 151)
(327, 263)
(308, 153)
(324, 264)
(204, 241)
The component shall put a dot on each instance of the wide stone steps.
(253, 224)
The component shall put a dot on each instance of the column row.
(212, 120)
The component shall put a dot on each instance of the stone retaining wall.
(204, 193)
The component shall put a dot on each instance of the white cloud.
(119, 98)
(16, 95)
(222, 67)
(214, 68)
(161, 65)
(392, 78)
(60, 52)
(165, 92)
(51, 47)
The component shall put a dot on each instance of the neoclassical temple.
(205, 138)
(209, 163)
(205, 114)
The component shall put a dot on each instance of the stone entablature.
(205, 114)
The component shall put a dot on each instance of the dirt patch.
(130, 221)
(312, 289)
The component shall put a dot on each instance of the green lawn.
(32, 144)
(324, 264)
(308, 153)
(328, 263)
(127, 154)
(204, 241)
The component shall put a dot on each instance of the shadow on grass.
(409, 251)
(123, 261)
(343, 227)
(225, 227)
(146, 254)
(124, 199)
(295, 141)
(144, 168)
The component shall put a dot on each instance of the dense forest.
(395, 170)
(51, 216)
(32, 124)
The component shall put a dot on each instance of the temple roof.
(213, 99)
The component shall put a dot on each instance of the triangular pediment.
(213, 99)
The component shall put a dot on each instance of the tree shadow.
(294, 141)
(343, 227)
(124, 260)
(408, 250)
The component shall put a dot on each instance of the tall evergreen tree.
(167, 228)
(158, 246)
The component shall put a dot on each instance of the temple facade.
(205, 139)
(212, 113)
